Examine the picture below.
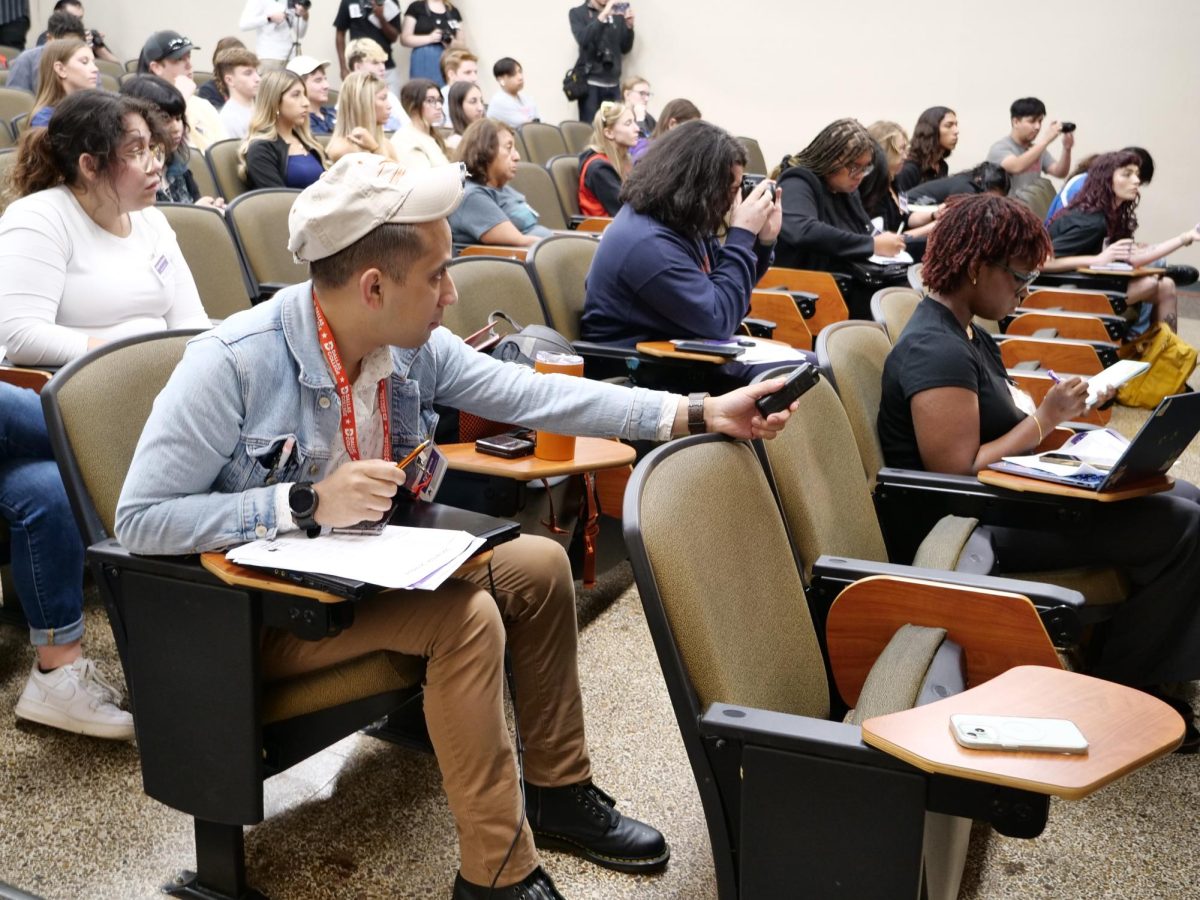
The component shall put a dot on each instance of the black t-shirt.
(941, 189)
(1078, 233)
(910, 175)
(934, 352)
(427, 20)
(355, 16)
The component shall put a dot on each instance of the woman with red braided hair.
(948, 406)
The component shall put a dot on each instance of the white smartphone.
(1018, 733)
(1114, 376)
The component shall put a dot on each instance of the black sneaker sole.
(631, 865)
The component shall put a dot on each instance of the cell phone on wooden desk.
(508, 446)
(722, 349)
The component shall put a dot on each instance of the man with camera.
(378, 20)
(603, 30)
(23, 71)
(280, 25)
(94, 38)
(1023, 152)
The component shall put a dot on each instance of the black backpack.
(575, 84)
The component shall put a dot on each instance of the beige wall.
(779, 71)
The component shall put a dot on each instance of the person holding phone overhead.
(603, 30)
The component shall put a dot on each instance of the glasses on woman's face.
(854, 170)
(433, 101)
(1023, 279)
(147, 157)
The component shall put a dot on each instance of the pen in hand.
(415, 453)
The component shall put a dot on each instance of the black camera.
(749, 182)
(1068, 127)
(448, 35)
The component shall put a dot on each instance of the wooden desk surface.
(1037, 486)
(591, 454)
(1125, 729)
(1125, 273)
(244, 576)
(666, 350)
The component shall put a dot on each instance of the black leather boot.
(534, 886)
(582, 819)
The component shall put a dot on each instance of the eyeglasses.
(148, 157)
(434, 101)
(1023, 279)
(855, 171)
(645, 94)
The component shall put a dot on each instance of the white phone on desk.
(1018, 733)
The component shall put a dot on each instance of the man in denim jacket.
(250, 439)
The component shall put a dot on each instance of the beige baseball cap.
(305, 65)
(362, 191)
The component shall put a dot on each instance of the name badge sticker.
(162, 267)
(355, 11)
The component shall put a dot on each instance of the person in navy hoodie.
(660, 271)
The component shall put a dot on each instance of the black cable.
(512, 692)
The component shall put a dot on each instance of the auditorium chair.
(817, 294)
(542, 142)
(223, 160)
(14, 102)
(209, 728)
(486, 284)
(206, 181)
(109, 67)
(793, 798)
(259, 220)
(536, 184)
(576, 134)
(7, 138)
(213, 257)
(565, 172)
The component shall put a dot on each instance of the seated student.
(364, 54)
(418, 143)
(168, 54)
(660, 272)
(237, 70)
(378, 247)
(605, 162)
(178, 185)
(511, 106)
(1104, 213)
(824, 222)
(214, 90)
(878, 193)
(23, 70)
(280, 150)
(321, 118)
(86, 258)
(492, 212)
(676, 112)
(67, 67)
(466, 107)
(1023, 152)
(456, 66)
(64, 689)
(635, 94)
(1075, 183)
(985, 178)
(362, 110)
(933, 140)
(948, 406)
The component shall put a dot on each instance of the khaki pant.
(460, 630)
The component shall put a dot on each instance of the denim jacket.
(205, 469)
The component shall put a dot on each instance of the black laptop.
(1159, 442)
(415, 514)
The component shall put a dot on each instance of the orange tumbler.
(552, 446)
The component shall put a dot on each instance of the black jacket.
(601, 44)
(266, 164)
(820, 228)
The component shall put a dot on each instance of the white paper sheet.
(420, 558)
(901, 258)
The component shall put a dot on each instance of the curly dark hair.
(925, 148)
(685, 179)
(978, 229)
(1097, 195)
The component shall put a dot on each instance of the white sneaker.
(75, 698)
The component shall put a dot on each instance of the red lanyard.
(345, 391)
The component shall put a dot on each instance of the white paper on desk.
(901, 258)
(1113, 267)
(400, 557)
(766, 352)
(1097, 452)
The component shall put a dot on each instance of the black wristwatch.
(302, 499)
(695, 419)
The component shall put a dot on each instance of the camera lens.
(1068, 127)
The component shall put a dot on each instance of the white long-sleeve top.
(274, 39)
(66, 279)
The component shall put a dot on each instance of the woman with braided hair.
(947, 405)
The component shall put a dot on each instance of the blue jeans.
(47, 551)
(426, 62)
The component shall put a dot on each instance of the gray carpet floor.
(367, 819)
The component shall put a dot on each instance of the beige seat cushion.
(376, 673)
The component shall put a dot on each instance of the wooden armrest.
(19, 376)
(830, 307)
(780, 307)
(593, 224)
(1094, 302)
(997, 629)
(494, 250)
